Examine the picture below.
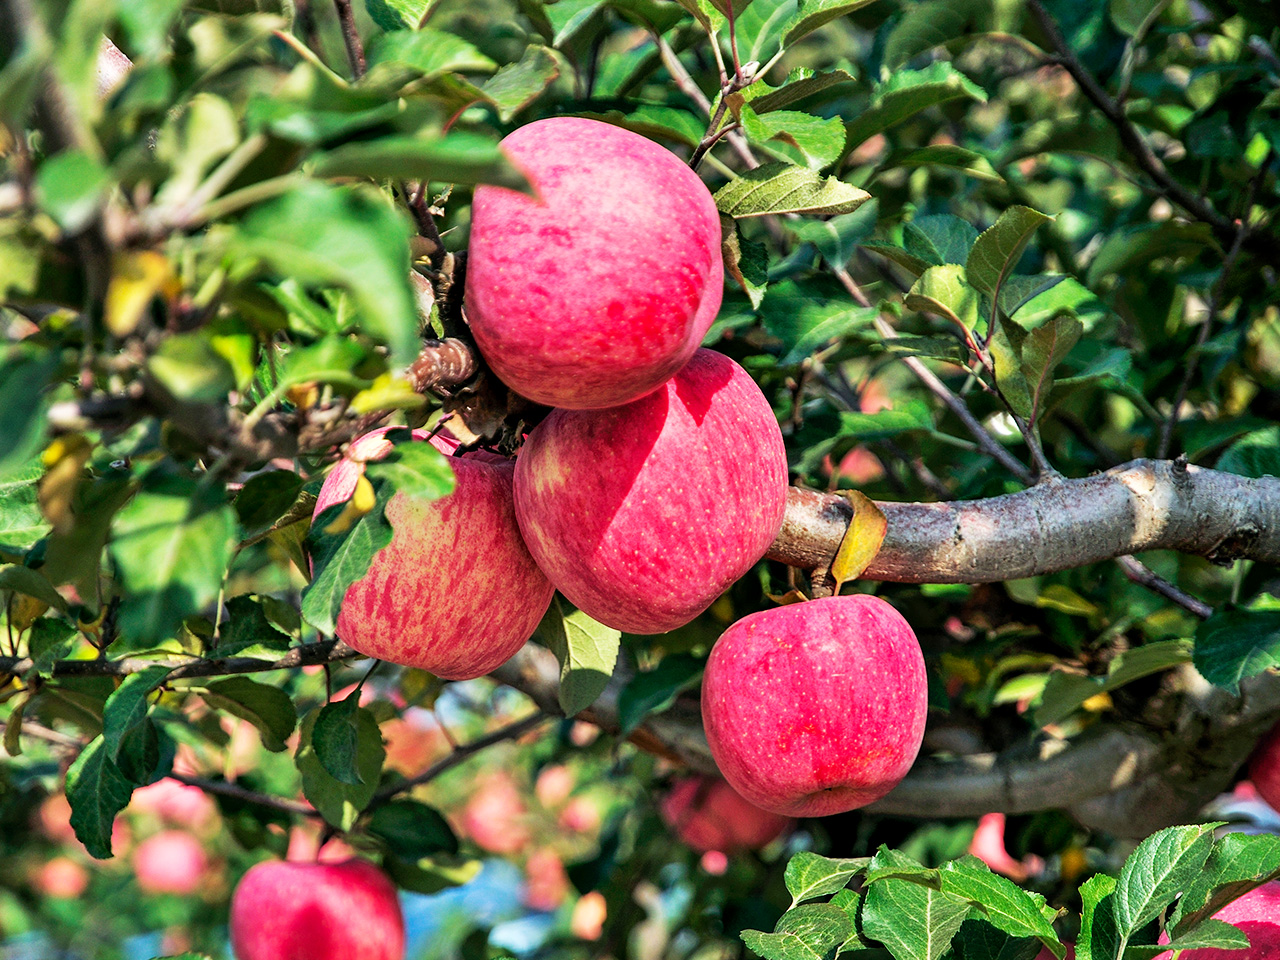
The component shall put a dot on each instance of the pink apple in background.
(494, 817)
(589, 913)
(171, 861)
(316, 911)
(642, 515)
(61, 878)
(599, 289)
(1257, 914)
(414, 741)
(988, 846)
(178, 804)
(817, 707)
(546, 882)
(1264, 767)
(554, 784)
(455, 592)
(581, 815)
(55, 818)
(708, 814)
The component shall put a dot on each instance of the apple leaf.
(932, 23)
(1163, 866)
(996, 251)
(811, 875)
(969, 162)
(814, 141)
(778, 188)
(97, 791)
(416, 469)
(247, 632)
(1209, 934)
(430, 53)
(890, 863)
(266, 707)
(517, 85)
(341, 803)
(979, 939)
(1235, 644)
(21, 522)
(49, 641)
(800, 83)
(587, 651)
(913, 921)
(457, 157)
(413, 830)
(905, 94)
(1065, 692)
(655, 690)
(1238, 863)
(1256, 454)
(944, 291)
(126, 709)
(340, 559)
(838, 237)
(812, 14)
(1099, 939)
(1006, 344)
(1006, 905)
(1045, 348)
(431, 874)
(30, 583)
(399, 14)
(816, 931)
(334, 738)
(746, 261)
(862, 538)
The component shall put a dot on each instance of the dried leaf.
(862, 539)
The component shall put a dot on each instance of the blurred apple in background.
(61, 878)
(708, 814)
(546, 882)
(171, 861)
(589, 914)
(495, 815)
(988, 846)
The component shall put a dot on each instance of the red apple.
(599, 289)
(546, 882)
(61, 878)
(170, 862)
(494, 818)
(988, 846)
(316, 911)
(709, 815)
(456, 591)
(818, 707)
(176, 803)
(642, 515)
(1257, 914)
(1264, 767)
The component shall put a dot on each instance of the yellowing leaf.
(387, 392)
(64, 461)
(785, 599)
(137, 278)
(861, 540)
(361, 502)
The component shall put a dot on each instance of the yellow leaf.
(361, 502)
(137, 278)
(861, 540)
(1098, 702)
(13, 729)
(64, 461)
(791, 596)
(24, 611)
(387, 393)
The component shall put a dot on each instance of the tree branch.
(225, 788)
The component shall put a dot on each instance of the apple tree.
(1005, 274)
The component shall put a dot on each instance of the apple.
(316, 911)
(1257, 914)
(1264, 767)
(553, 786)
(61, 878)
(709, 815)
(170, 862)
(642, 515)
(456, 592)
(495, 816)
(546, 882)
(988, 846)
(176, 803)
(818, 707)
(597, 290)
(589, 914)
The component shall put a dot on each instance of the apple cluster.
(658, 479)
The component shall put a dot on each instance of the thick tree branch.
(1138, 506)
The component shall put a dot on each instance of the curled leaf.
(862, 538)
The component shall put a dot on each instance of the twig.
(351, 37)
(223, 788)
(685, 83)
(460, 753)
(1140, 573)
(40, 732)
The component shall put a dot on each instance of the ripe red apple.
(988, 846)
(818, 707)
(1264, 767)
(170, 862)
(495, 816)
(176, 803)
(709, 815)
(642, 515)
(599, 289)
(456, 591)
(546, 881)
(316, 911)
(61, 878)
(1257, 914)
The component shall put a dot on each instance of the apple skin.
(456, 592)
(316, 911)
(1264, 767)
(709, 815)
(818, 707)
(1257, 914)
(601, 288)
(170, 862)
(642, 515)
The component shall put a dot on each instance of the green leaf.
(1172, 239)
(457, 157)
(815, 931)
(803, 322)
(932, 23)
(518, 84)
(969, 162)
(265, 498)
(745, 261)
(30, 583)
(413, 830)
(1033, 300)
(587, 652)
(97, 791)
(1005, 905)
(777, 188)
(1006, 356)
(49, 641)
(334, 736)
(398, 14)
(190, 368)
(416, 469)
(945, 291)
(1044, 349)
(70, 186)
(126, 709)
(905, 94)
(341, 803)
(247, 631)
(760, 26)
(1065, 692)
(171, 545)
(656, 122)
(865, 427)
(810, 875)
(978, 939)
(911, 920)
(812, 14)
(25, 373)
(339, 560)
(1208, 935)
(326, 236)
(949, 348)
(939, 239)
(1238, 863)
(816, 142)
(890, 863)
(428, 53)
(837, 238)
(1235, 644)
(266, 707)
(1099, 939)
(655, 690)
(800, 83)
(996, 252)
(1255, 454)
(1163, 865)
(21, 522)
